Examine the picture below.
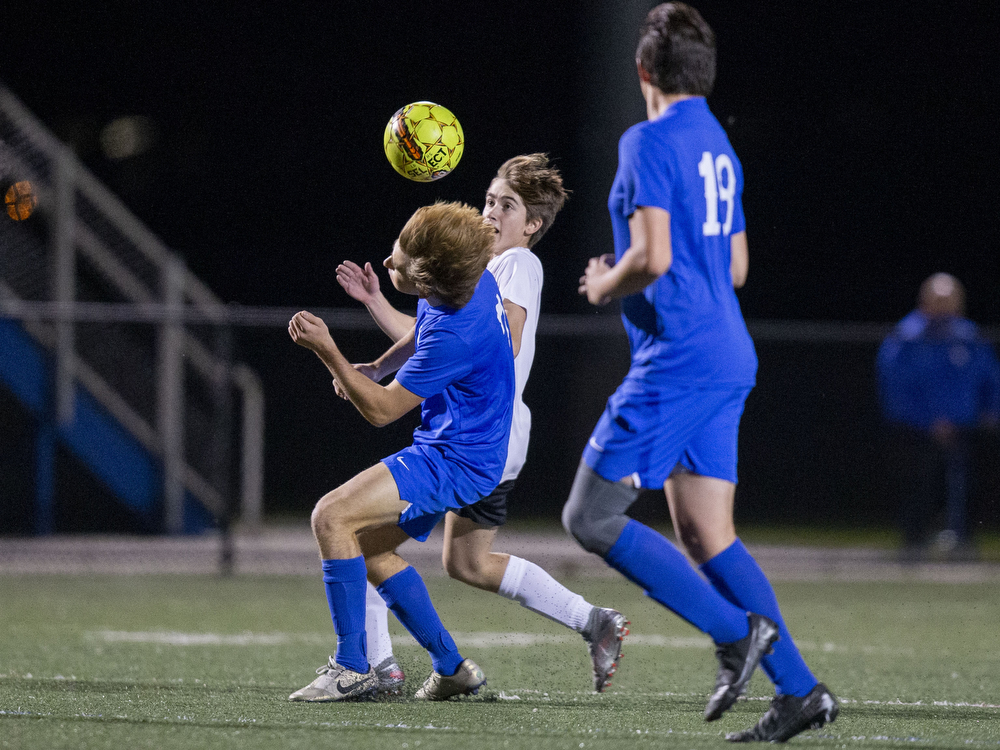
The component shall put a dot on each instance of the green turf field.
(203, 662)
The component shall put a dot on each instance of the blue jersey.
(685, 328)
(937, 369)
(463, 367)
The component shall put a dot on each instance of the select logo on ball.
(424, 141)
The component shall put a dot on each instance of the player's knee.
(327, 515)
(594, 514)
(691, 543)
(469, 570)
(452, 564)
(574, 510)
(572, 517)
(461, 570)
(702, 544)
(319, 521)
(584, 522)
(588, 528)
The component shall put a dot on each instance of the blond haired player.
(456, 364)
(521, 204)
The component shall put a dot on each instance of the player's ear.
(643, 73)
(532, 226)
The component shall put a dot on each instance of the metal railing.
(90, 234)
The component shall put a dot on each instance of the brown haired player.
(680, 249)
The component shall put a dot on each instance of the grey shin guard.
(594, 514)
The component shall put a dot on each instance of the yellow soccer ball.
(424, 141)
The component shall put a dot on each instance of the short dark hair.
(448, 246)
(677, 49)
(539, 186)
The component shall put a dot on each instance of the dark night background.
(867, 133)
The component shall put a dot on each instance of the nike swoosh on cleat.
(348, 689)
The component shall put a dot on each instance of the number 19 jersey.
(686, 328)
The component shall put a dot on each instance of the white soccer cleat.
(337, 683)
(466, 681)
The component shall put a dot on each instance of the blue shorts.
(646, 433)
(432, 484)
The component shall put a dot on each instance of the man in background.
(939, 384)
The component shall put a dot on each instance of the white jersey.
(519, 275)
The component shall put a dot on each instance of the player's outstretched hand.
(359, 283)
(596, 268)
(365, 369)
(309, 331)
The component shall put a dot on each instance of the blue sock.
(406, 595)
(738, 577)
(649, 560)
(345, 582)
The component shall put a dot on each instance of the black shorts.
(491, 510)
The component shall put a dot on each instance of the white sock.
(377, 627)
(533, 588)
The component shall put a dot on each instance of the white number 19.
(720, 182)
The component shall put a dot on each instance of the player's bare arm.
(739, 261)
(387, 364)
(379, 405)
(362, 285)
(396, 355)
(648, 257)
(366, 369)
(516, 315)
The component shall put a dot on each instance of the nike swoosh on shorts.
(402, 462)
(593, 444)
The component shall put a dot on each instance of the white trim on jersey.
(519, 275)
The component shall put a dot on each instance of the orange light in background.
(20, 200)
(126, 137)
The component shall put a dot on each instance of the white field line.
(534, 695)
(584, 735)
(510, 731)
(465, 640)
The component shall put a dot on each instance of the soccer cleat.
(390, 677)
(788, 715)
(466, 680)
(603, 633)
(737, 661)
(337, 683)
